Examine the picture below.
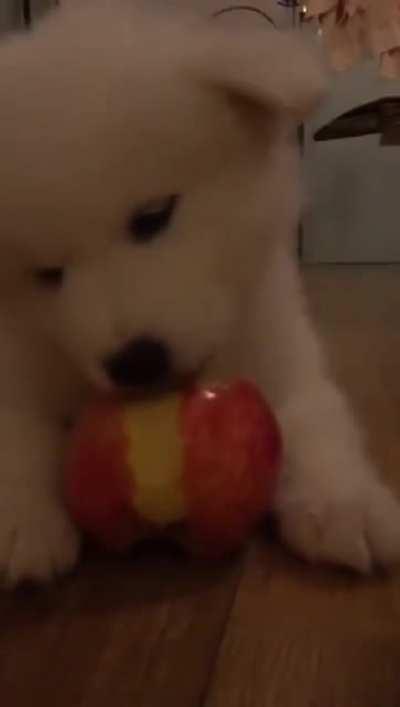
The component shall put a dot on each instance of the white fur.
(102, 109)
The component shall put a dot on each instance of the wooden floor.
(263, 631)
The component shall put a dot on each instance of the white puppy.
(149, 203)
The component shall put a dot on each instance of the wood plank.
(301, 637)
(137, 632)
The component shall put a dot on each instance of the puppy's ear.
(262, 66)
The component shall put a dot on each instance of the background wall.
(10, 14)
(354, 184)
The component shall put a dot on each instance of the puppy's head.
(145, 171)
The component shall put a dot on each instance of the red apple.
(233, 455)
(206, 460)
(98, 487)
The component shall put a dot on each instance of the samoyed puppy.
(148, 216)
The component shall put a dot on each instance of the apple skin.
(98, 486)
(231, 455)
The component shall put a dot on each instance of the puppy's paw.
(37, 539)
(359, 529)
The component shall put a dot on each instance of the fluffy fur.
(102, 109)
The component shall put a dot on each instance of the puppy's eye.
(152, 219)
(51, 278)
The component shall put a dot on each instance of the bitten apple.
(205, 460)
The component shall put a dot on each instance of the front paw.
(357, 528)
(37, 539)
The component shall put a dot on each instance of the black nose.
(144, 362)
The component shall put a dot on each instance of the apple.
(205, 460)
(232, 458)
